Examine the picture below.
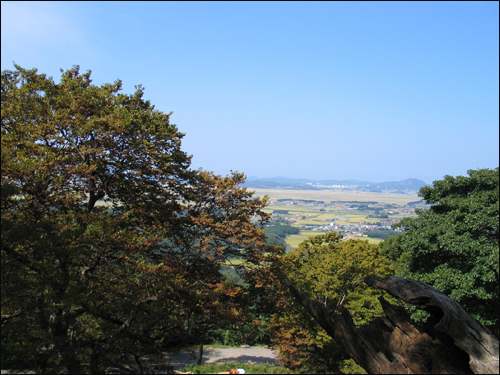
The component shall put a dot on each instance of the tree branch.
(450, 342)
(21, 259)
(453, 320)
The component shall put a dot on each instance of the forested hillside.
(114, 249)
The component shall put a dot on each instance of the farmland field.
(337, 212)
(293, 241)
(337, 195)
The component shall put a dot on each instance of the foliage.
(331, 271)
(111, 246)
(383, 216)
(453, 246)
(303, 345)
(215, 368)
(384, 234)
(398, 257)
(275, 240)
(281, 230)
(277, 233)
(253, 331)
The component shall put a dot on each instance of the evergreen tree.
(453, 246)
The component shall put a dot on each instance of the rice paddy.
(337, 195)
(329, 209)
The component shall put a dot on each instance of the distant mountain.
(345, 182)
(279, 183)
(280, 180)
(406, 186)
(410, 183)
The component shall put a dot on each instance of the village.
(370, 220)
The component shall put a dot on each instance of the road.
(252, 355)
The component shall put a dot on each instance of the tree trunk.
(62, 342)
(201, 355)
(451, 341)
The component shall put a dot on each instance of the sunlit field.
(337, 195)
(303, 214)
(294, 241)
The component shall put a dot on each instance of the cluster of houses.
(349, 230)
(338, 224)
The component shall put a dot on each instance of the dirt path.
(252, 355)
(211, 355)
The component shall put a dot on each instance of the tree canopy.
(453, 246)
(276, 234)
(330, 270)
(111, 245)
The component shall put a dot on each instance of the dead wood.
(450, 342)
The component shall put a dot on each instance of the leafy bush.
(384, 234)
(213, 368)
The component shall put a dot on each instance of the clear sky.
(378, 91)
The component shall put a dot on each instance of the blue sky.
(378, 91)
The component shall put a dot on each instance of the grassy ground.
(235, 262)
(374, 241)
(294, 240)
(225, 367)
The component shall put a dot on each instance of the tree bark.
(451, 341)
(201, 355)
(59, 328)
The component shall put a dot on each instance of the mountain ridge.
(404, 186)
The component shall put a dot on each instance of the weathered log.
(450, 342)
(452, 320)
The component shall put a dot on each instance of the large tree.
(111, 245)
(330, 270)
(453, 246)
